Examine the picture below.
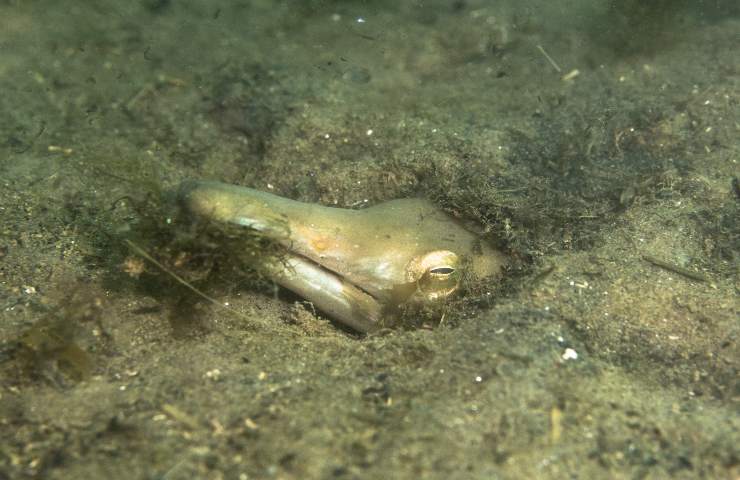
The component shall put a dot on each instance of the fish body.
(355, 265)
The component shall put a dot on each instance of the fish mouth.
(329, 292)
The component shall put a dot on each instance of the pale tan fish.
(357, 266)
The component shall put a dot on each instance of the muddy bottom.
(594, 143)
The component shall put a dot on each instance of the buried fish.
(357, 266)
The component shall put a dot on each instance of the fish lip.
(343, 278)
(341, 299)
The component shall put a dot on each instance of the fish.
(359, 267)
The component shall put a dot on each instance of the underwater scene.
(370, 239)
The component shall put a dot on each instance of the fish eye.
(434, 274)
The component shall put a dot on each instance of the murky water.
(595, 143)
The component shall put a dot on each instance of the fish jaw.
(329, 293)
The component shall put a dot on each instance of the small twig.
(543, 274)
(675, 268)
(549, 59)
(140, 251)
(181, 416)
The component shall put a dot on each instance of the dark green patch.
(721, 231)
(58, 347)
(211, 258)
